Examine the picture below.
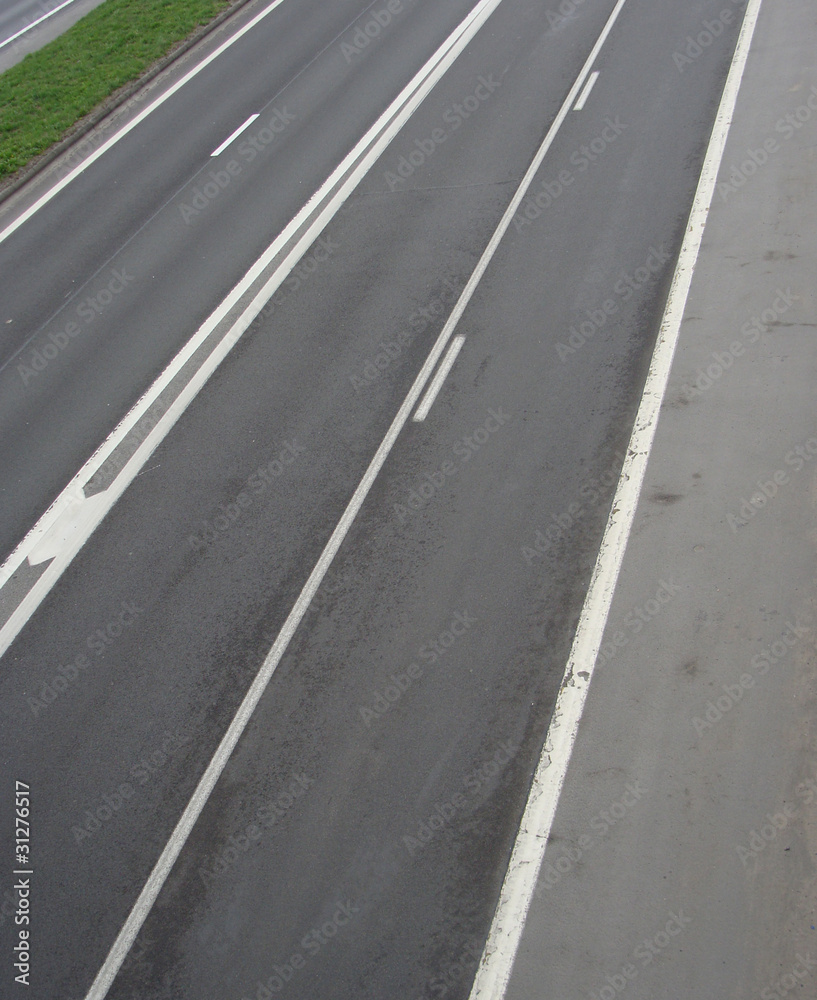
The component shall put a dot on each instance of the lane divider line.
(161, 870)
(507, 927)
(579, 105)
(437, 382)
(235, 135)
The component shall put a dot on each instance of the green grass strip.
(43, 96)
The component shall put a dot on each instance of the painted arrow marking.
(78, 518)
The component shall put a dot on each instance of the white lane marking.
(55, 190)
(508, 924)
(235, 135)
(579, 105)
(161, 870)
(356, 164)
(76, 519)
(437, 382)
(34, 24)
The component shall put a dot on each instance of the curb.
(113, 102)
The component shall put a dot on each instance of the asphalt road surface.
(356, 840)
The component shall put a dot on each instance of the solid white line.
(55, 190)
(520, 881)
(437, 382)
(235, 135)
(158, 876)
(34, 24)
(579, 105)
(375, 141)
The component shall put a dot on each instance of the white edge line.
(34, 24)
(520, 881)
(579, 105)
(437, 382)
(158, 102)
(130, 930)
(235, 135)
(391, 120)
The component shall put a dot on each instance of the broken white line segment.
(586, 92)
(235, 135)
(437, 382)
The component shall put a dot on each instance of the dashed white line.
(436, 383)
(511, 912)
(235, 135)
(586, 92)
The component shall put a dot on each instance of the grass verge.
(47, 93)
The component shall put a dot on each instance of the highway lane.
(540, 427)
